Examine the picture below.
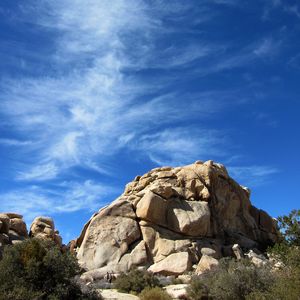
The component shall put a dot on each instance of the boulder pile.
(173, 219)
(13, 229)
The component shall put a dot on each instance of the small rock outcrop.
(43, 227)
(13, 229)
(172, 218)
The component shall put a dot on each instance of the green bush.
(36, 269)
(286, 284)
(135, 281)
(232, 280)
(154, 294)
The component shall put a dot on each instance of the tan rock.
(187, 217)
(109, 294)
(237, 251)
(177, 291)
(206, 264)
(13, 215)
(43, 228)
(169, 211)
(174, 264)
(209, 252)
(152, 208)
(19, 226)
(107, 238)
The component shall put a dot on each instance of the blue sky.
(93, 93)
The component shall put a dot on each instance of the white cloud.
(40, 172)
(95, 104)
(179, 146)
(14, 142)
(252, 175)
(268, 47)
(67, 197)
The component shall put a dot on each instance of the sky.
(93, 93)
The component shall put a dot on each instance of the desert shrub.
(286, 283)
(232, 280)
(198, 290)
(36, 269)
(135, 281)
(155, 293)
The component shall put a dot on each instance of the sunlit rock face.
(44, 228)
(165, 217)
(13, 229)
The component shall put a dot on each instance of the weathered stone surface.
(209, 252)
(43, 227)
(177, 291)
(187, 217)
(110, 294)
(12, 229)
(5, 222)
(13, 215)
(169, 211)
(237, 251)
(106, 240)
(19, 226)
(174, 264)
(206, 264)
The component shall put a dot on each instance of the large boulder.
(12, 229)
(43, 228)
(109, 235)
(165, 217)
(173, 264)
(206, 264)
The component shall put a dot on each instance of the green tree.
(290, 227)
(36, 269)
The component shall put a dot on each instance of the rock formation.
(166, 217)
(43, 227)
(13, 229)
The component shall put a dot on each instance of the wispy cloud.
(179, 146)
(66, 197)
(14, 142)
(97, 98)
(252, 175)
(292, 9)
(268, 47)
(39, 172)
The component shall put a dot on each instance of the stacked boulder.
(13, 230)
(166, 218)
(43, 227)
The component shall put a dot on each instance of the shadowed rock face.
(12, 229)
(170, 211)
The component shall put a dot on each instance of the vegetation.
(232, 280)
(290, 228)
(241, 280)
(135, 281)
(154, 294)
(36, 269)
